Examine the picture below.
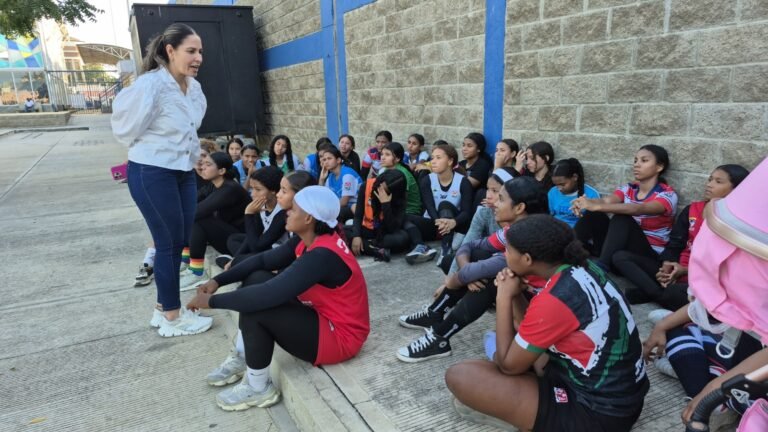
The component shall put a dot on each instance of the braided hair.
(568, 168)
(546, 239)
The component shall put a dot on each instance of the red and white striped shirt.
(656, 227)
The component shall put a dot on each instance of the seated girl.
(219, 214)
(316, 310)
(536, 161)
(379, 219)
(568, 180)
(341, 179)
(642, 212)
(392, 157)
(416, 156)
(688, 351)
(596, 381)
(506, 155)
(312, 161)
(484, 221)
(348, 153)
(281, 155)
(667, 284)
(264, 219)
(248, 163)
(470, 291)
(477, 164)
(372, 158)
(447, 199)
(234, 148)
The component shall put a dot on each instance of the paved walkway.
(77, 351)
(78, 354)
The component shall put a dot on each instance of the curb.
(323, 399)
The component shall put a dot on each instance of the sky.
(112, 25)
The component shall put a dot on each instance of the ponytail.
(156, 55)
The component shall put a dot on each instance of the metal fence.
(82, 91)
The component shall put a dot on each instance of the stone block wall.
(415, 66)
(294, 99)
(599, 78)
(596, 78)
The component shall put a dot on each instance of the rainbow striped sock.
(185, 255)
(197, 266)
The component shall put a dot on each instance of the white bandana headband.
(503, 174)
(320, 203)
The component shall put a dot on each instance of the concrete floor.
(77, 352)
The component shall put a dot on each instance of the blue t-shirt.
(243, 174)
(346, 184)
(311, 164)
(560, 204)
(423, 157)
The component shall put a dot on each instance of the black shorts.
(559, 411)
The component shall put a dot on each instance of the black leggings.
(641, 271)
(397, 241)
(211, 231)
(421, 229)
(471, 304)
(293, 326)
(609, 236)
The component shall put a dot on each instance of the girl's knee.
(460, 375)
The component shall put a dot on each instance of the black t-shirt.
(480, 170)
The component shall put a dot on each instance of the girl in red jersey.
(595, 381)
(316, 309)
(642, 211)
(667, 284)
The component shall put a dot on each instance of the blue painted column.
(493, 86)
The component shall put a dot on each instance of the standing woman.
(158, 117)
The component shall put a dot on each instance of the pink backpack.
(728, 271)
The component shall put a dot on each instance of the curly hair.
(546, 239)
(269, 176)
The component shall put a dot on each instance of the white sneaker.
(188, 323)
(189, 281)
(243, 396)
(657, 315)
(231, 370)
(157, 317)
(663, 365)
(183, 267)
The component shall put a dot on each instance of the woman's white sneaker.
(231, 370)
(157, 317)
(243, 396)
(189, 281)
(188, 323)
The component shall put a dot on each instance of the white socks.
(258, 378)
(149, 257)
(239, 344)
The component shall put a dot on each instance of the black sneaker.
(422, 318)
(424, 348)
(145, 276)
(382, 254)
(223, 260)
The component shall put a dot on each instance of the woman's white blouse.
(158, 122)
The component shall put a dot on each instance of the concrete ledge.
(325, 398)
(44, 119)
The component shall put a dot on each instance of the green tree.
(17, 17)
(96, 74)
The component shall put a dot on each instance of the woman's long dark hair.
(736, 173)
(156, 56)
(479, 139)
(546, 239)
(288, 152)
(397, 184)
(527, 190)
